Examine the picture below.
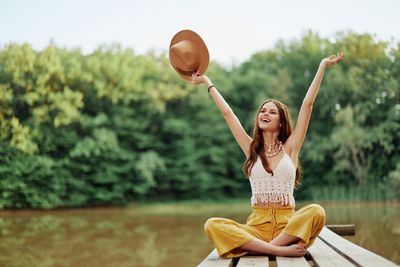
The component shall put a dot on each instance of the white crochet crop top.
(273, 190)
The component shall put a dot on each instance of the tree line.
(113, 127)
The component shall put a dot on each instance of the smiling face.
(269, 118)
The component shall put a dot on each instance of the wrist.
(207, 81)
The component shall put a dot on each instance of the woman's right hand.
(199, 79)
(333, 60)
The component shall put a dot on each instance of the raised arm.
(241, 137)
(296, 139)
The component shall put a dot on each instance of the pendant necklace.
(269, 152)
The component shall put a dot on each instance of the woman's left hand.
(333, 60)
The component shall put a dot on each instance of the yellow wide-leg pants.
(265, 223)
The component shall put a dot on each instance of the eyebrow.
(271, 109)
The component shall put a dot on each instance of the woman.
(271, 165)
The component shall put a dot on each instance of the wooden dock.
(329, 249)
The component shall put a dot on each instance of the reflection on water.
(160, 235)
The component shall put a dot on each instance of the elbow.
(227, 111)
(308, 103)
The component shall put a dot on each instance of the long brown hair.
(257, 145)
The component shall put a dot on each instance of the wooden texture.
(214, 260)
(354, 253)
(342, 229)
(291, 262)
(324, 255)
(253, 261)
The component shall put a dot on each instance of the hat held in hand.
(188, 53)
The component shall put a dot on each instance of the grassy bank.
(351, 193)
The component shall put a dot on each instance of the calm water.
(160, 234)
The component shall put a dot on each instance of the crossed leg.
(311, 218)
(285, 240)
(282, 245)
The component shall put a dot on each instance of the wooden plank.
(214, 260)
(324, 255)
(253, 261)
(291, 262)
(342, 229)
(354, 253)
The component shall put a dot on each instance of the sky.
(233, 30)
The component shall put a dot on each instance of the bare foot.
(294, 250)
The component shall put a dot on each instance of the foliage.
(113, 127)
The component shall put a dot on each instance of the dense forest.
(113, 127)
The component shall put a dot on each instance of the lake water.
(161, 234)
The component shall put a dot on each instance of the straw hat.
(188, 53)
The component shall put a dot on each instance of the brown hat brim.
(201, 50)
